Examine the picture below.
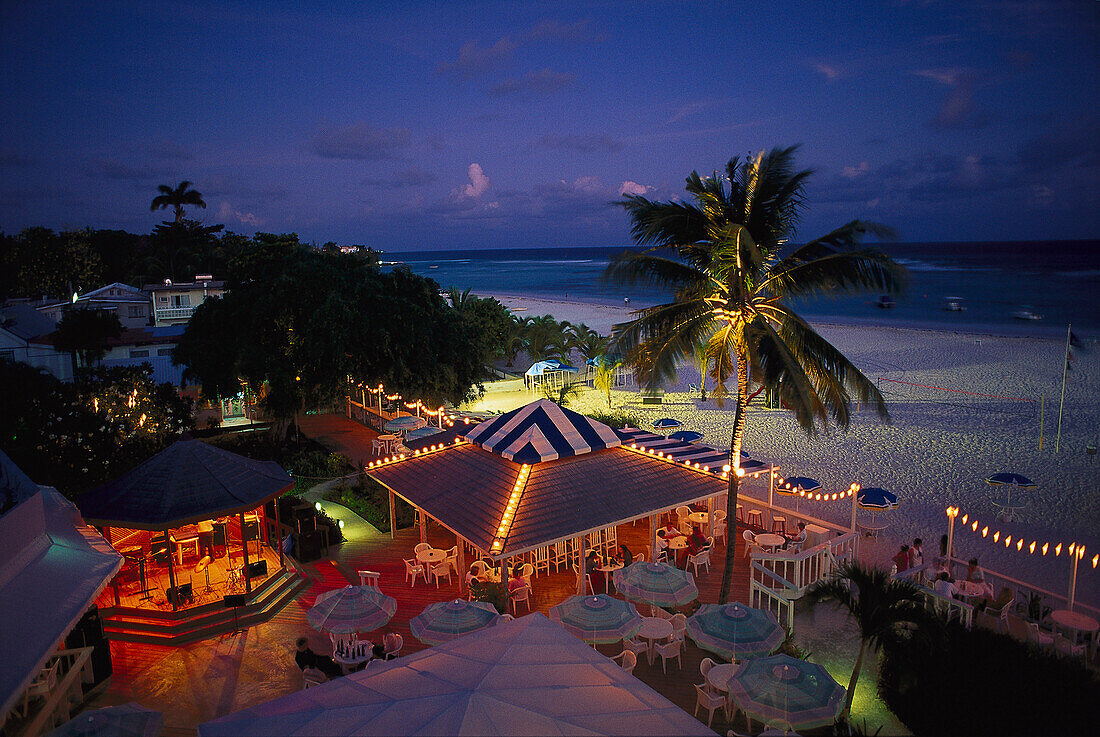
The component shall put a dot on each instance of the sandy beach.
(963, 406)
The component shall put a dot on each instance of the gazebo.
(194, 525)
(542, 474)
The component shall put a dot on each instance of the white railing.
(779, 579)
(174, 313)
(945, 606)
(74, 667)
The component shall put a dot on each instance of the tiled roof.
(542, 431)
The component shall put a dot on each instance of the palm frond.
(779, 368)
(634, 268)
(661, 337)
(664, 223)
(833, 375)
(823, 267)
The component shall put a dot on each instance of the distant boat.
(953, 304)
(1026, 313)
(886, 302)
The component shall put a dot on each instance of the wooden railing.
(67, 694)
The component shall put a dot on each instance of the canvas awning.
(52, 567)
(187, 482)
(527, 676)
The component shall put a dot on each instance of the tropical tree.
(85, 334)
(888, 611)
(564, 394)
(723, 255)
(178, 198)
(604, 380)
(586, 341)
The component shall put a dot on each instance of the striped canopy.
(799, 692)
(656, 583)
(542, 431)
(735, 630)
(351, 609)
(444, 621)
(680, 451)
(597, 619)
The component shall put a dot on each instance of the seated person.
(592, 565)
(518, 582)
(378, 652)
(625, 556)
(695, 545)
(901, 559)
(945, 587)
(798, 539)
(306, 658)
(974, 571)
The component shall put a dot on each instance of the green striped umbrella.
(656, 583)
(351, 609)
(597, 619)
(445, 620)
(800, 693)
(735, 631)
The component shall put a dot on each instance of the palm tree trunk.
(734, 479)
(855, 677)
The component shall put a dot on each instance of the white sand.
(938, 448)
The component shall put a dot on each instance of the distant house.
(25, 336)
(130, 304)
(147, 345)
(174, 303)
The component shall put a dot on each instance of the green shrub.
(982, 682)
(618, 419)
(370, 500)
(495, 593)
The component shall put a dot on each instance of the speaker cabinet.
(234, 600)
(309, 546)
(258, 568)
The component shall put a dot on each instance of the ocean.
(1059, 281)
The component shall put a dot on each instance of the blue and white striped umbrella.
(405, 423)
(735, 631)
(444, 621)
(686, 436)
(656, 583)
(423, 432)
(351, 609)
(597, 619)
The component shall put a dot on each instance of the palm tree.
(722, 254)
(587, 341)
(887, 610)
(564, 394)
(177, 199)
(607, 369)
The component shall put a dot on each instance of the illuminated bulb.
(964, 518)
(997, 536)
(1057, 550)
(1020, 544)
(974, 527)
(317, 506)
(1046, 546)
(1031, 548)
(1095, 560)
(706, 468)
(985, 530)
(726, 468)
(818, 497)
(1070, 548)
(1008, 541)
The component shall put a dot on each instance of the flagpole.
(1061, 404)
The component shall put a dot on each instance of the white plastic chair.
(393, 643)
(370, 578)
(542, 560)
(560, 556)
(441, 570)
(421, 546)
(413, 568)
(709, 701)
(720, 531)
(671, 649)
(1065, 646)
(637, 647)
(750, 540)
(629, 659)
(679, 627)
(313, 677)
(704, 667)
(699, 559)
(518, 595)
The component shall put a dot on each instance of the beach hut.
(550, 373)
(527, 676)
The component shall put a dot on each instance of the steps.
(209, 620)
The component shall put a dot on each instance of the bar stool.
(779, 525)
(740, 512)
(756, 518)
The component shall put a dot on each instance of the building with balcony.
(175, 302)
(130, 304)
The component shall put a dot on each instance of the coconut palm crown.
(177, 199)
(725, 255)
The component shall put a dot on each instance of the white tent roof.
(528, 676)
(52, 567)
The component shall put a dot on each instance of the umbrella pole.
(580, 565)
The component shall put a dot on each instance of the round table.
(653, 629)
(1078, 623)
(719, 676)
(431, 556)
(677, 543)
(698, 518)
(770, 540)
(607, 571)
(350, 662)
(972, 589)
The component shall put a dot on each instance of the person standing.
(916, 554)
(901, 559)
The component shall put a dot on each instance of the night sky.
(409, 126)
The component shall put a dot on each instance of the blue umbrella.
(795, 484)
(1010, 480)
(404, 423)
(799, 692)
(735, 631)
(597, 619)
(656, 583)
(423, 432)
(686, 436)
(444, 621)
(874, 498)
(666, 423)
(351, 609)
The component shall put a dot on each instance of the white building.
(174, 303)
(132, 305)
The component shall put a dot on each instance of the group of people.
(306, 658)
(910, 556)
(594, 562)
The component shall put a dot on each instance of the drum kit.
(203, 566)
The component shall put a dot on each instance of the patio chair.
(990, 622)
(686, 528)
(479, 568)
(1003, 603)
(452, 559)
(313, 677)
(414, 568)
(627, 659)
(421, 546)
(636, 646)
(506, 618)
(393, 643)
(750, 540)
(679, 627)
(720, 531)
(611, 539)
(526, 572)
(671, 649)
(704, 667)
(519, 595)
(1024, 631)
(43, 685)
(441, 570)
(682, 513)
(370, 578)
(699, 559)
(560, 556)
(709, 701)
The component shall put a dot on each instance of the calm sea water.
(1058, 280)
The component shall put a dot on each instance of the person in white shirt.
(945, 587)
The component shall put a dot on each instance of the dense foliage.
(85, 333)
(370, 500)
(297, 322)
(984, 683)
(79, 435)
